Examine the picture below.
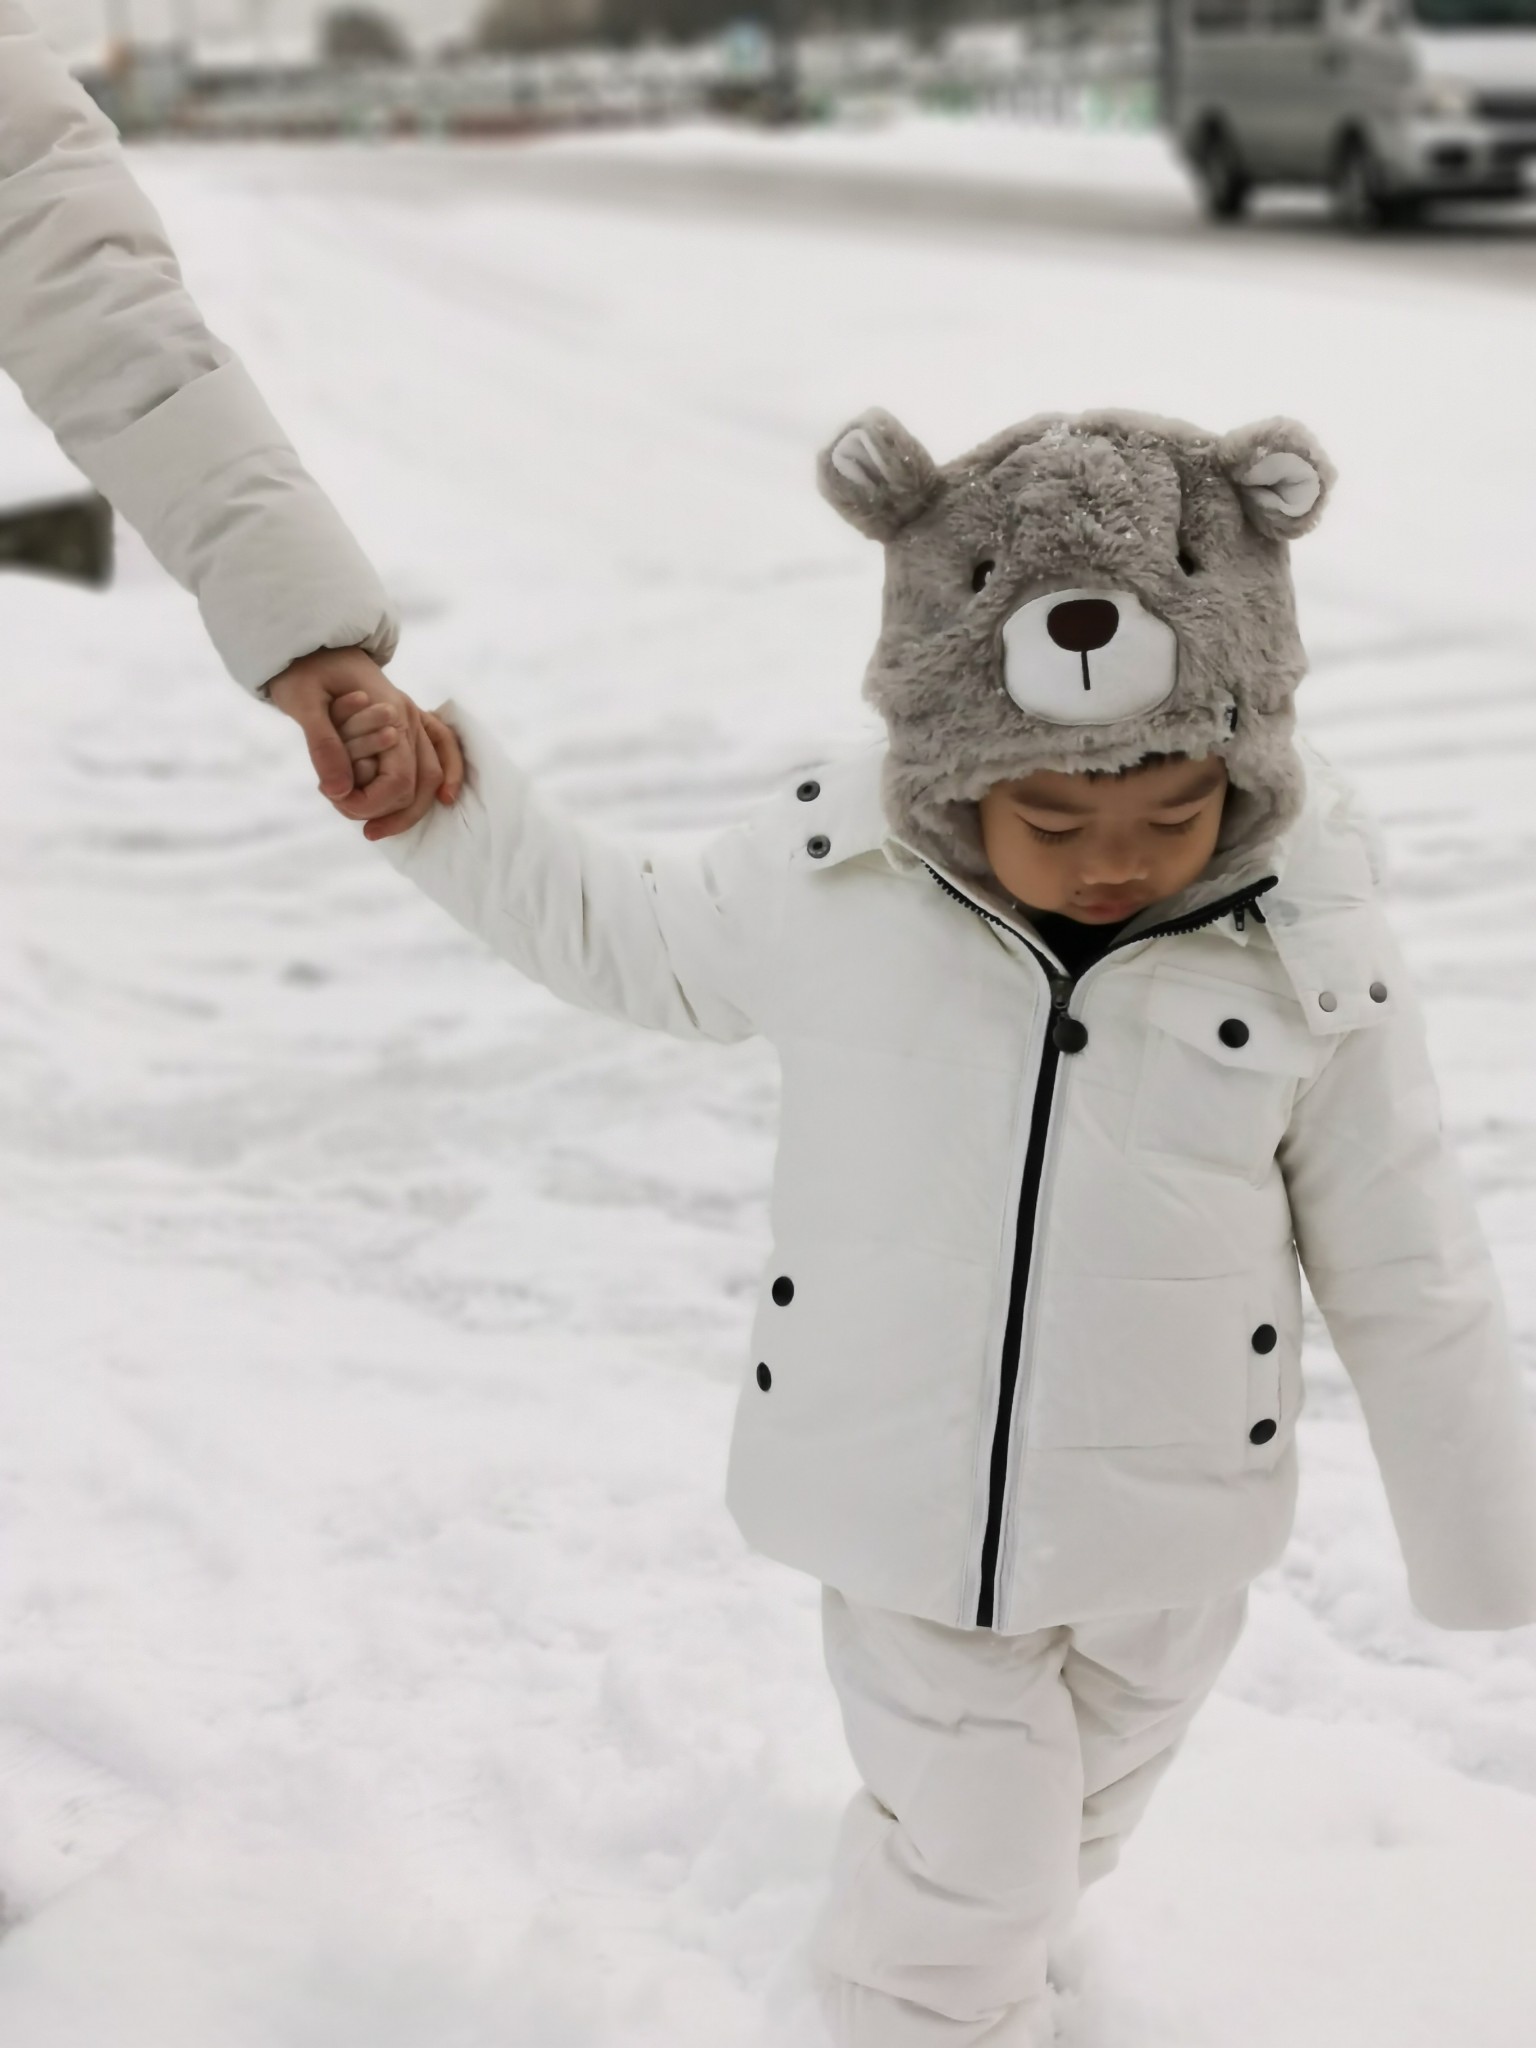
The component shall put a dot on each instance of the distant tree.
(539, 24)
(362, 35)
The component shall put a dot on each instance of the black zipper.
(1062, 988)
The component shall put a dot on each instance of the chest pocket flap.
(1219, 1075)
(1237, 1026)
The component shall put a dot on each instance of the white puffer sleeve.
(111, 353)
(679, 938)
(1397, 1263)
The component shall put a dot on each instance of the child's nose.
(1114, 860)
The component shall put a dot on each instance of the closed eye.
(1183, 825)
(1051, 838)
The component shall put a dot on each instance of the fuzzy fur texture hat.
(1077, 593)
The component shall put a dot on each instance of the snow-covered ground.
(1133, 163)
(379, 1664)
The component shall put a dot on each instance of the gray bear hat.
(1079, 593)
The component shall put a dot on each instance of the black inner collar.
(1076, 945)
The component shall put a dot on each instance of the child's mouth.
(1107, 909)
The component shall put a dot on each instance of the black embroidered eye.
(1188, 563)
(981, 575)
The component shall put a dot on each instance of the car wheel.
(1362, 196)
(1225, 186)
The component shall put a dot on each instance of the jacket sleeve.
(112, 355)
(1398, 1266)
(676, 938)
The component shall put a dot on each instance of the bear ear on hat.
(1281, 475)
(877, 475)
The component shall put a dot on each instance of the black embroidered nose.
(1083, 623)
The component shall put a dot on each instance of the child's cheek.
(1054, 882)
(1028, 871)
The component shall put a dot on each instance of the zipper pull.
(1240, 917)
(1067, 1033)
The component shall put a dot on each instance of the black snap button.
(808, 792)
(783, 1290)
(819, 846)
(1378, 991)
(1233, 1032)
(1068, 1035)
(764, 1378)
(1265, 1338)
(1261, 1432)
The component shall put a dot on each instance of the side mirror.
(68, 537)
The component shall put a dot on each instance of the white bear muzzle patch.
(1088, 657)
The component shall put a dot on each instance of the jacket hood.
(1079, 593)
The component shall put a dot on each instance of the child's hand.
(449, 752)
(370, 729)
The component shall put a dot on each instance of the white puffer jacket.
(1028, 1346)
(111, 353)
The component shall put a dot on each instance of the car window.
(1222, 17)
(1470, 14)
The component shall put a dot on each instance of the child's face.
(1099, 848)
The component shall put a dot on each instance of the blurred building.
(543, 24)
(531, 24)
(533, 65)
(362, 35)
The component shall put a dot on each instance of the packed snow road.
(379, 1664)
(973, 183)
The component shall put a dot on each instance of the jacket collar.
(1319, 915)
(1322, 919)
(847, 812)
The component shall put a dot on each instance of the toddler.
(1091, 1029)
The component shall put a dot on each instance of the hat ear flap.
(1281, 475)
(877, 475)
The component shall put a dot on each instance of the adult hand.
(408, 773)
(369, 730)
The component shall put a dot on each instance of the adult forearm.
(96, 325)
(228, 509)
(112, 353)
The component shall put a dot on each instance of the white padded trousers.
(1001, 1774)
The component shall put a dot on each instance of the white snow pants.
(1001, 1774)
